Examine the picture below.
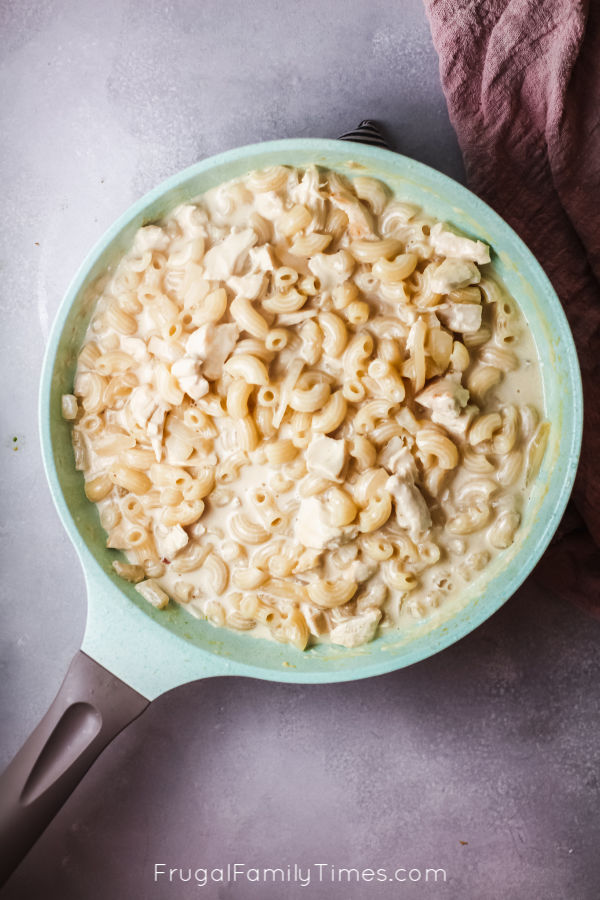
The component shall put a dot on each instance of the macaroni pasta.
(306, 409)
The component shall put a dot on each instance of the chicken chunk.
(222, 260)
(312, 528)
(212, 344)
(262, 259)
(457, 426)
(447, 399)
(187, 372)
(357, 630)
(444, 397)
(398, 459)
(247, 286)
(412, 512)
(453, 274)
(447, 243)
(463, 318)
(325, 456)
(169, 541)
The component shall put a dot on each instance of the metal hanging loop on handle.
(366, 133)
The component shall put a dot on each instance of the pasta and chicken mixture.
(306, 409)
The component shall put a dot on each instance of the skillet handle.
(366, 133)
(90, 709)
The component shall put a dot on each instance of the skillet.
(132, 653)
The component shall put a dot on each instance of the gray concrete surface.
(482, 761)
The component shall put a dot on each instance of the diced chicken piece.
(198, 342)
(212, 344)
(184, 367)
(169, 541)
(142, 403)
(307, 190)
(357, 630)
(312, 528)
(222, 260)
(411, 509)
(168, 351)
(247, 286)
(187, 372)
(262, 259)
(194, 386)
(268, 204)
(447, 399)
(453, 274)
(315, 618)
(444, 397)
(135, 347)
(331, 268)
(360, 220)
(398, 459)
(373, 594)
(446, 243)
(457, 426)
(325, 456)
(461, 317)
(307, 193)
(148, 414)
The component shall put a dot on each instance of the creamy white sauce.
(218, 244)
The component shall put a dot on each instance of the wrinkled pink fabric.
(522, 82)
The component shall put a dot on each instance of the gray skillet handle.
(90, 709)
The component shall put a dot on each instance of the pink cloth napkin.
(522, 82)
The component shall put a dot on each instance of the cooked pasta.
(306, 410)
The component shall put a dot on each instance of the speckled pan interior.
(154, 651)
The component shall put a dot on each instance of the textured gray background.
(494, 742)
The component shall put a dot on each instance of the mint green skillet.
(132, 653)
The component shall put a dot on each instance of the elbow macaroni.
(283, 416)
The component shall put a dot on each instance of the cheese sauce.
(221, 347)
